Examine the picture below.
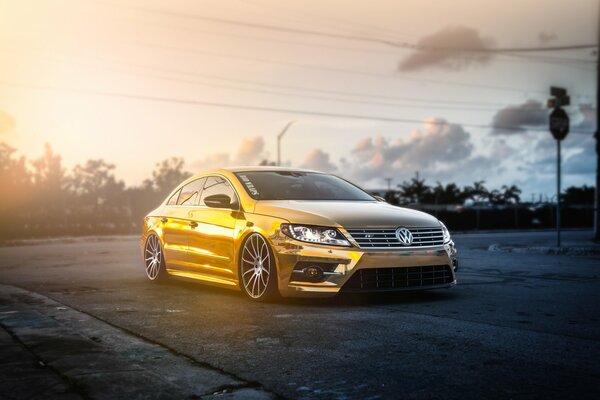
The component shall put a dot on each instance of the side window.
(190, 193)
(173, 200)
(218, 185)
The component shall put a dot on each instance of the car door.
(176, 224)
(211, 247)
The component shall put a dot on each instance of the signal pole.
(558, 162)
(559, 128)
(597, 135)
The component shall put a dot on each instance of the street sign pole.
(597, 137)
(559, 127)
(558, 162)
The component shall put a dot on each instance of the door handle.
(193, 224)
(163, 220)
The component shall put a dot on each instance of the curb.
(99, 361)
(67, 240)
(563, 250)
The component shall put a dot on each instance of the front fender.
(266, 226)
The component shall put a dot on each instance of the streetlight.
(283, 131)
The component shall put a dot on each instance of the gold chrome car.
(272, 231)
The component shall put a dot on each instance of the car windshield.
(297, 185)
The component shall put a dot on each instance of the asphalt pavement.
(519, 325)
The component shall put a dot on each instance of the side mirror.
(218, 201)
(379, 198)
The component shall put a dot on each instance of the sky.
(135, 82)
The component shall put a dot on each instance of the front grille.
(384, 238)
(398, 278)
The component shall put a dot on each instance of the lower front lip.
(347, 260)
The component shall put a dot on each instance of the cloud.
(583, 162)
(537, 156)
(453, 47)
(318, 160)
(516, 118)
(250, 152)
(445, 152)
(547, 37)
(7, 122)
(440, 149)
(532, 113)
(580, 155)
(212, 161)
(587, 118)
(500, 150)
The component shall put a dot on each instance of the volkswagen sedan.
(271, 231)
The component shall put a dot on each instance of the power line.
(524, 57)
(342, 70)
(257, 25)
(567, 62)
(355, 24)
(272, 40)
(348, 24)
(336, 99)
(267, 109)
(552, 59)
(337, 22)
(468, 105)
(308, 19)
(405, 45)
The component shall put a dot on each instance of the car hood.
(348, 214)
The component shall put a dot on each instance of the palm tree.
(477, 192)
(449, 194)
(511, 194)
(415, 191)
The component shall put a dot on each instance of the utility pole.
(558, 162)
(389, 183)
(597, 135)
(283, 131)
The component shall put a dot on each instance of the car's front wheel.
(154, 259)
(258, 274)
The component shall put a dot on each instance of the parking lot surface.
(518, 325)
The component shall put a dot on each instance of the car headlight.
(445, 233)
(315, 234)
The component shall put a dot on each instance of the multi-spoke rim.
(153, 257)
(255, 266)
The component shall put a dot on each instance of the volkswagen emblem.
(404, 236)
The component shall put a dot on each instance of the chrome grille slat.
(385, 238)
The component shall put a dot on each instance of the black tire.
(154, 259)
(257, 271)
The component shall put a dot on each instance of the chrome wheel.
(153, 257)
(256, 267)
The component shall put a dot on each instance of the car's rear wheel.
(154, 259)
(258, 274)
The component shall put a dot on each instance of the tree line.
(416, 191)
(41, 198)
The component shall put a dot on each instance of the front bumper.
(345, 262)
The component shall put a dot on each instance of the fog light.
(313, 273)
